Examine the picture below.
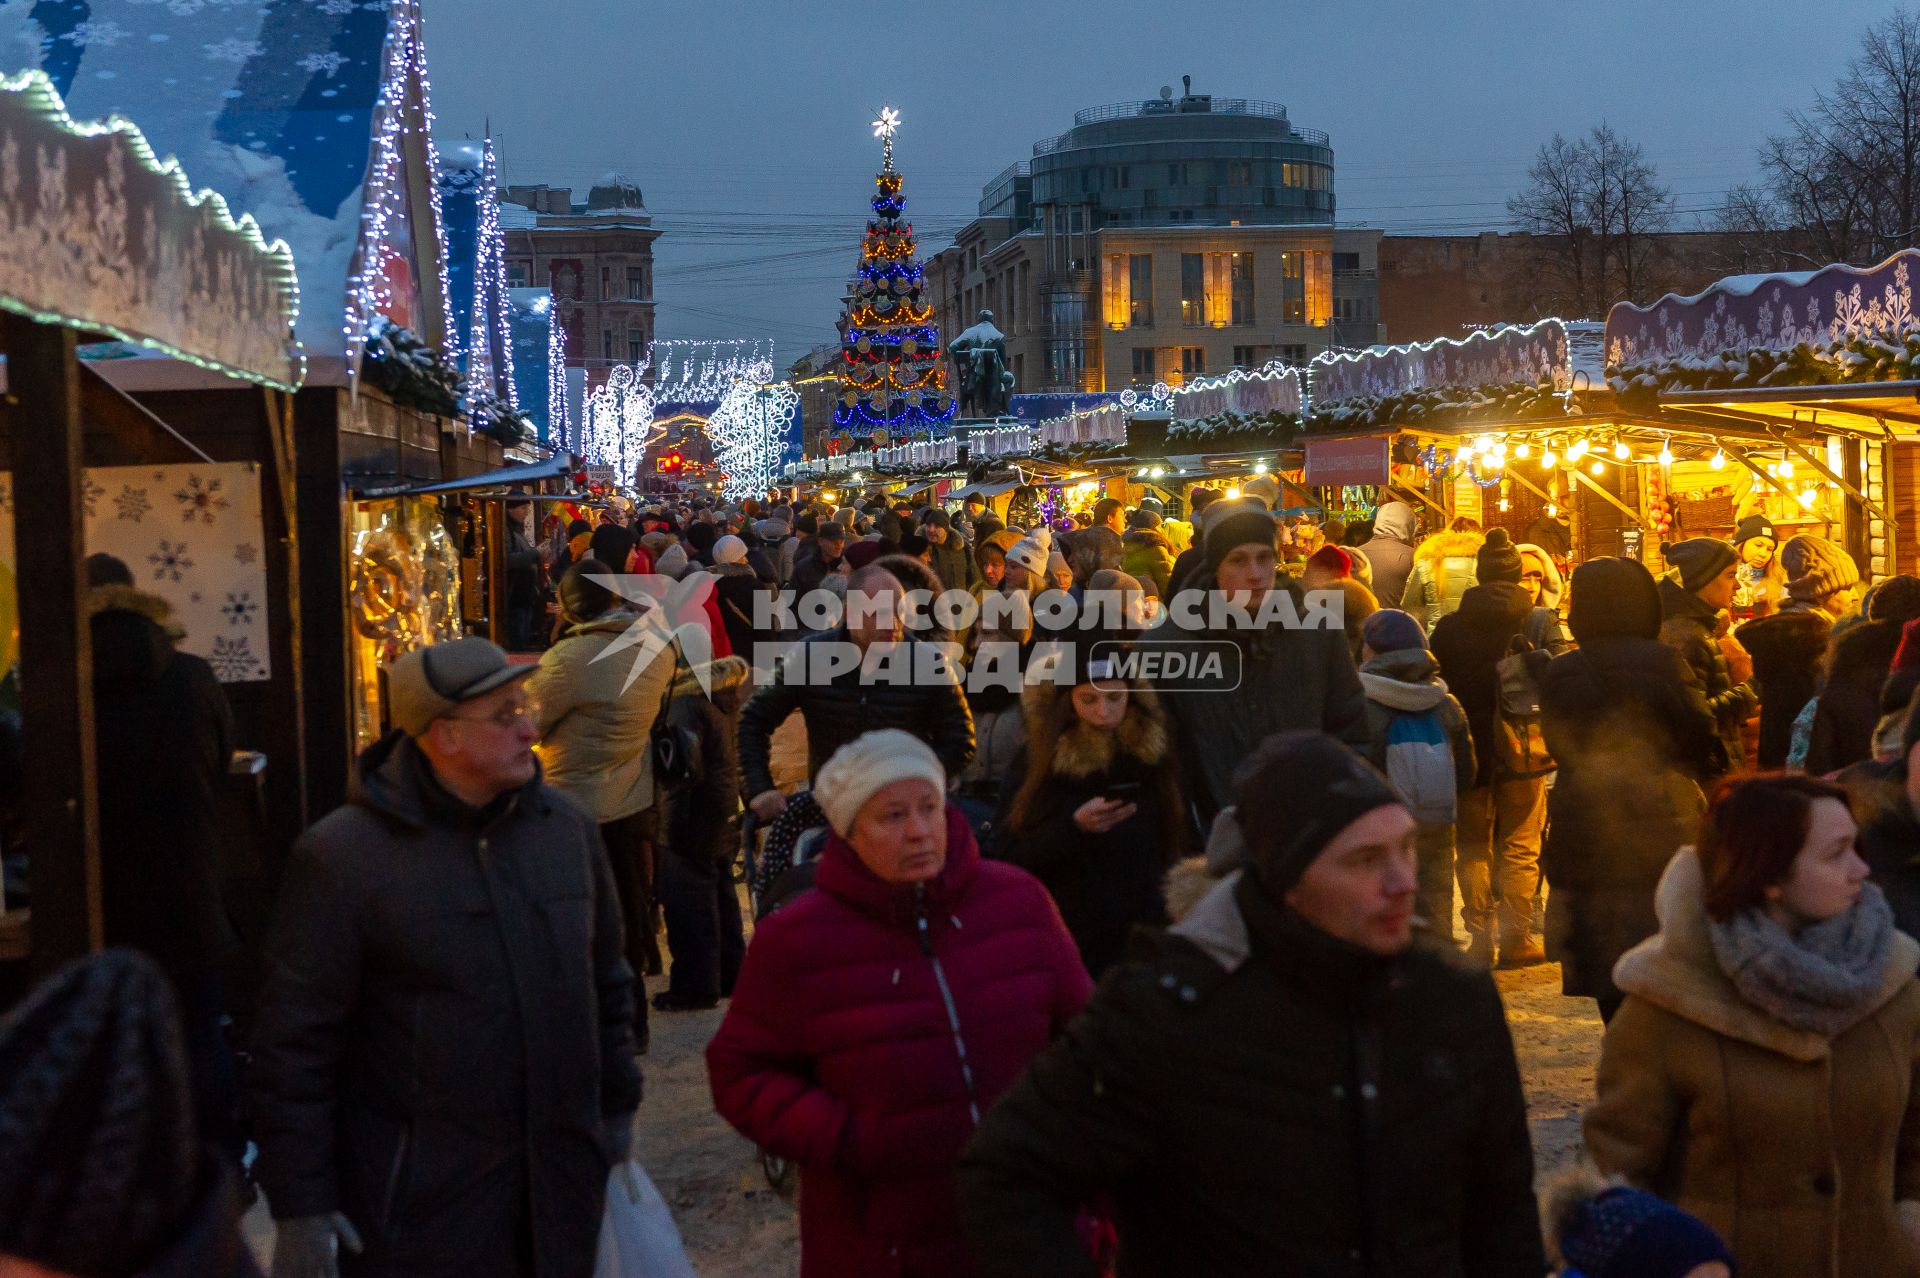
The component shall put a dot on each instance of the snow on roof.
(517, 217)
(272, 105)
(614, 193)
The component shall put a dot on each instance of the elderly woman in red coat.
(879, 1014)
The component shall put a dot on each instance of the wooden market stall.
(90, 469)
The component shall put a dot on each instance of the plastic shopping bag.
(638, 1238)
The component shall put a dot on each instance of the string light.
(1599, 467)
(385, 199)
(1619, 450)
(1578, 450)
(1666, 453)
(1718, 460)
(1808, 497)
(1233, 494)
(1786, 469)
(1522, 450)
(1550, 510)
(1547, 459)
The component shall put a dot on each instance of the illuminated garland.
(385, 197)
(1440, 406)
(559, 424)
(490, 282)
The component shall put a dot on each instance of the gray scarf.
(1822, 979)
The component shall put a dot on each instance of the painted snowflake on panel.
(233, 659)
(132, 503)
(239, 608)
(202, 501)
(170, 562)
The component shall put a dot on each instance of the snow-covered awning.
(97, 233)
(1768, 312)
(1535, 354)
(312, 116)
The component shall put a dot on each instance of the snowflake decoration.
(200, 501)
(239, 608)
(170, 561)
(90, 495)
(132, 503)
(244, 553)
(329, 62)
(233, 659)
(96, 34)
(233, 50)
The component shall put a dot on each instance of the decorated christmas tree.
(893, 381)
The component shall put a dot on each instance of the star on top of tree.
(884, 128)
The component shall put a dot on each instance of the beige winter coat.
(1795, 1147)
(594, 730)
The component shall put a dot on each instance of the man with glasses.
(444, 1066)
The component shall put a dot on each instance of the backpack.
(1420, 766)
(1519, 740)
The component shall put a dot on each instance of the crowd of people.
(1103, 973)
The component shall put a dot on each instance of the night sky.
(745, 121)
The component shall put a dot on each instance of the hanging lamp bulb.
(1718, 460)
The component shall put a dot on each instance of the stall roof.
(559, 466)
(310, 117)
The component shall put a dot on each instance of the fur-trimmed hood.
(129, 599)
(1448, 545)
(1408, 679)
(1082, 751)
(1676, 970)
(1554, 586)
(1786, 641)
(722, 674)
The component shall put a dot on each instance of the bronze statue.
(983, 384)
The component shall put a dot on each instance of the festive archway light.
(748, 429)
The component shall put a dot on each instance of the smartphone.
(1122, 790)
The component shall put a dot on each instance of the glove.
(308, 1246)
(616, 1138)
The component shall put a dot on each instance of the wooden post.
(56, 649)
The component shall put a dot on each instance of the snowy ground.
(736, 1226)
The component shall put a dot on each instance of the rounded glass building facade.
(1194, 159)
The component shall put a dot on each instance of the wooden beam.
(1845, 487)
(1628, 511)
(56, 649)
(1514, 474)
(1415, 493)
(121, 431)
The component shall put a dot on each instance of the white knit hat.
(863, 766)
(1031, 551)
(729, 550)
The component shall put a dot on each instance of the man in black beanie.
(1703, 577)
(1280, 1083)
(1276, 676)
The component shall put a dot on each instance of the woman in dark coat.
(1098, 816)
(1857, 665)
(1634, 743)
(695, 884)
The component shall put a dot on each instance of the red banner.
(1336, 463)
